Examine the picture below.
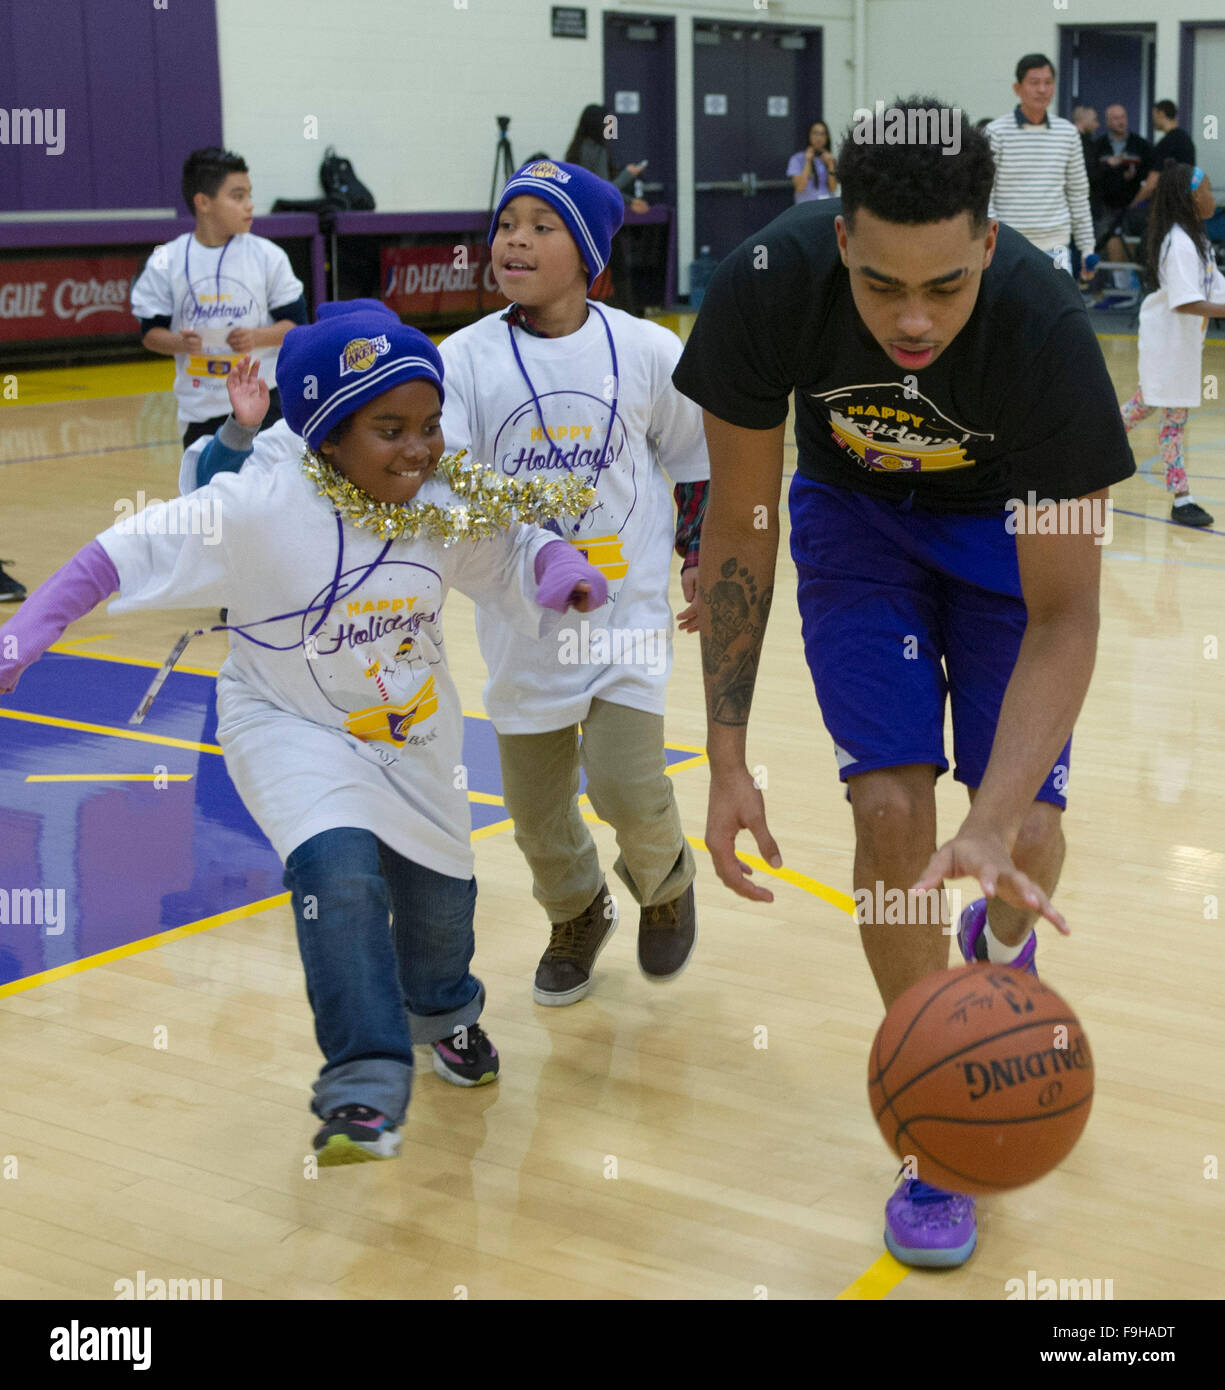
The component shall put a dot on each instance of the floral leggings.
(1173, 424)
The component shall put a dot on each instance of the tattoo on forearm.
(731, 647)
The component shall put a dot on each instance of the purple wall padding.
(140, 88)
(189, 91)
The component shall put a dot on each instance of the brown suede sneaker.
(564, 973)
(667, 933)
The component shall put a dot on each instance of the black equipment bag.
(343, 188)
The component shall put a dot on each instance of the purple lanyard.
(324, 607)
(612, 416)
(187, 270)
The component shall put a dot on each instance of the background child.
(1174, 321)
(211, 296)
(336, 713)
(551, 387)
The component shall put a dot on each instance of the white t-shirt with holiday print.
(355, 722)
(1171, 344)
(232, 286)
(623, 651)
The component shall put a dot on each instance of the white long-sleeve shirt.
(1041, 184)
(352, 721)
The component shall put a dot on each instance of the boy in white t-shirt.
(1173, 322)
(558, 387)
(210, 297)
(340, 725)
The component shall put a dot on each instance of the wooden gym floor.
(643, 1143)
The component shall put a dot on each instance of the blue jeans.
(386, 945)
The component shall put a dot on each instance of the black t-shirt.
(1175, 144)
(1020, 400)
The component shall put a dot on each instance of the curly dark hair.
(204, 171)
(1173, 206)
(915, 181)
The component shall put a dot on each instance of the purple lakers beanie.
(356, 352)
(591, 207)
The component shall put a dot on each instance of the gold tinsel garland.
(491, 502)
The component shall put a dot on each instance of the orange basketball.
(982, 1076)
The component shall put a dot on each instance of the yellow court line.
(487, 830)
(109, 777)
(67, 649)
(108, 731)
(842, 901)
(98, 383)
(134, 948)
(876, 1281)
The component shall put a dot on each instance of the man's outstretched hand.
(986, 858)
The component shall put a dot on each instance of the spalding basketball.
(982, 1077)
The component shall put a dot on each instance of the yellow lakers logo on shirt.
(604, 553)
(392, 723)
(361, 354)
(890, 428)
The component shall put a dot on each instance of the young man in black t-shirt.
(947, 385)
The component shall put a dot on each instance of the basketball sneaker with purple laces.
(972, 939)
(928, 1227)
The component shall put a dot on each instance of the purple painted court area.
(131, 858)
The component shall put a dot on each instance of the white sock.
(1183, 500)
(998, 953)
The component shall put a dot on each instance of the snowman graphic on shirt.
(372, 658)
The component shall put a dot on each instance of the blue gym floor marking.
(132, 859)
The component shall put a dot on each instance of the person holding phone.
(811, 171)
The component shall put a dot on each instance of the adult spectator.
(811, 171)
(1041, 184)
(588, 148)
(1123, 158)
(1174, 144)
(1084, 118)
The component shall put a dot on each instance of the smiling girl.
(340, 725)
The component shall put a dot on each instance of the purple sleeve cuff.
(559, 567)
(70, 593)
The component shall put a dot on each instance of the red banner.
(439, 278)
(72, 297)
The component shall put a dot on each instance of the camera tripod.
(503, 168)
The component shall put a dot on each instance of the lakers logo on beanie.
(591, 207)
(353, 354)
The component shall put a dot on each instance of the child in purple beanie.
(340, 725)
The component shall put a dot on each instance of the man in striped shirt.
(1041, 186)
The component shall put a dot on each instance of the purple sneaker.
(972, 940)
(928, 1227)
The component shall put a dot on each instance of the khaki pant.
(622, 753)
